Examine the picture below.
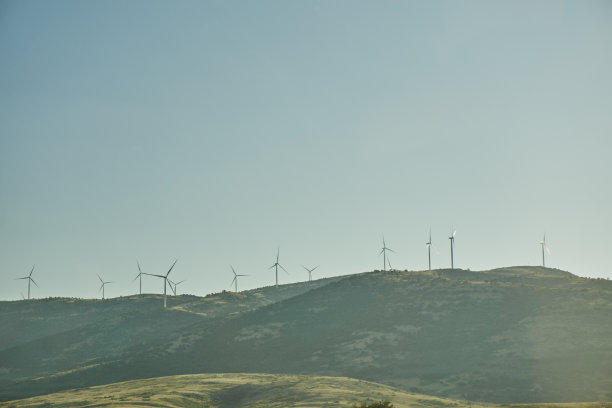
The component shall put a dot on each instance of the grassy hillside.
(238, 390)
(510, 335)
(253, 390)
(51, 336)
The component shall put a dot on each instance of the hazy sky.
(216, 131)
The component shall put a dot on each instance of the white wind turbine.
(235, 280)
(139, 276)
(30, 280)
(173, 285)
(428, 245)
(165, 278)
(452, 246)
(102, 286)
(310, 271)
(277, 265)
(544, 249)
(383, 251)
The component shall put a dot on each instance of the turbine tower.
(428, 244)
(383, 251)
(235, 280)
(165, 278)
(29, 278)
(277, 265)
(139, 276)
(102, 286)
(452, 245)
(310, 271)
(544, 248)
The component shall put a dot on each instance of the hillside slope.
(238, 390)
(509, 335)
(50, 336)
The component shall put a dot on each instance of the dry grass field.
(237, 390)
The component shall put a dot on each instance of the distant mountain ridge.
(508, 335)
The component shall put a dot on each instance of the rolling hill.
(509, 335)
(238, 390)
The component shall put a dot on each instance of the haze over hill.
(508, 335)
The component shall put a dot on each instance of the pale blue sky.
(214, 132)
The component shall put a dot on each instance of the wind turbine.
(428, 244)
(165, 278)
(452, 245)
(277, 265)
(173, 285)
(139, 276)
(383, 251)
(235, 280)
(102, 286)
(310, 271)
(544, 248)
(29, 278)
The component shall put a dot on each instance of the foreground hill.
(253, 390)
(238, 390)
(511, 335)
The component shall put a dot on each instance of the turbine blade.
(34, 282)
(233, 269)
(139, 270)
(170, 270)
(233, 280)
(547, 250)
(100, 279)
(272, 266)
(150, 274)
(281, 266)
(389, 249)
(314, 268)
(32, 270)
